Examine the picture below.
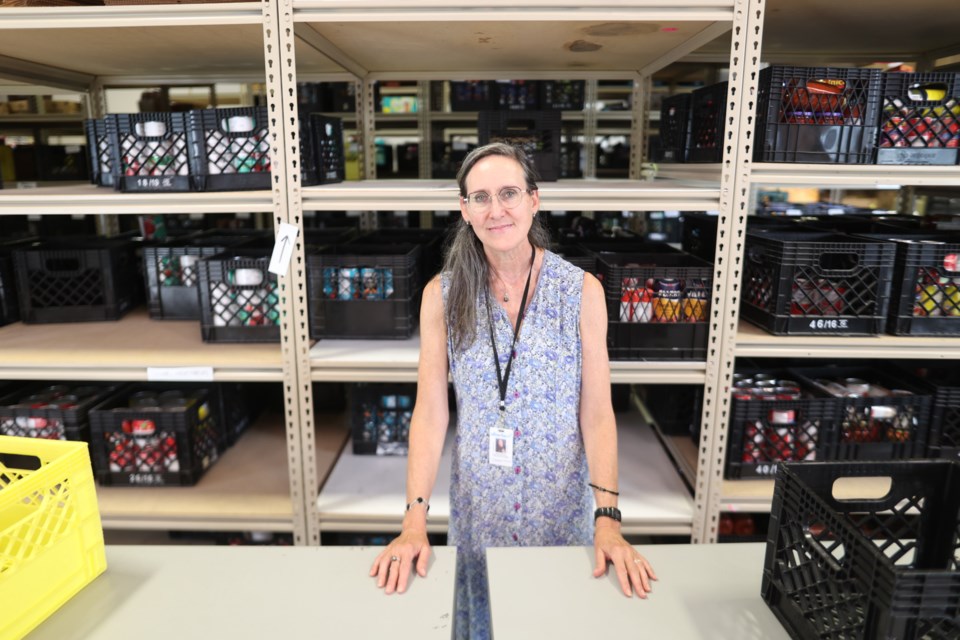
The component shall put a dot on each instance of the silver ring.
(394, 559)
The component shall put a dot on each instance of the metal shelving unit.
(277, 41)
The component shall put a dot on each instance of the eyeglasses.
(509, 198)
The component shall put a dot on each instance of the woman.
(523, 334)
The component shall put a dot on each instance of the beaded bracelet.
(615, 493)
(418, 501)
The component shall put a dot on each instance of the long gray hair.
(465, 263)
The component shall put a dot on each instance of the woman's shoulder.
(563, 269)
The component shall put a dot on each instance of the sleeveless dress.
(543, 499)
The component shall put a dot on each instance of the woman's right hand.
(392, 567)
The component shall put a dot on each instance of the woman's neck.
(511, 265)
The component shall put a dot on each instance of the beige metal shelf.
(752, 341)
(124, 349)
(566, 195)
(247, 489)
(91, 200)
(363, 491)
(396, 361)
(864, 176)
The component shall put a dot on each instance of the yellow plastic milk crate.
(51, 541)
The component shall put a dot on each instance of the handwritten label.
(828, 324)
(180, 374)
(283, 249)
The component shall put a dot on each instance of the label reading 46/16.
(822, 323)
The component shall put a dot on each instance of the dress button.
(515, 537)
(517, 470)
(516, 506)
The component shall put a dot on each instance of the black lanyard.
(504, 378)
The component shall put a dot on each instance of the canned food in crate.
(370, 281)
(348, 284)
(667, 300)
(695, 301)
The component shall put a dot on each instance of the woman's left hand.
(632, 569)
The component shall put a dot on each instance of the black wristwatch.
(608, 512)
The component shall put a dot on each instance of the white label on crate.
(283, 249)
(180, 374)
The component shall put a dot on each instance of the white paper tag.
(180, 374)
(283, 249)
(501, 447)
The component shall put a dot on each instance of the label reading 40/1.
(822, 323)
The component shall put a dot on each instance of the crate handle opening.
(151, 129)
(927, 92)
(63, 264)
(238, 124)
(20, 461)
(862, 488)
(831, 261)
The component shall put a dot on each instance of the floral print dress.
(543, 498)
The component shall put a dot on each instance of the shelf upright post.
(96, 99)
(746, 40)
(424, 131)
(591, 106)
(281, 76)
(639, 124)
(366, 110)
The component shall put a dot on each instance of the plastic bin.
(657, 305)
(239, 298)
(920, 119)
(817, 115)
(230, 148)
(100, 153)
(536, 132)
(943, 381)
(431, 243)
(517, 95)
(675, 128)
(570, 153)
(380, 418)
(676, 408)
(562, 95)
(925, 298)
(155, 435)
(869, 427)
(9, 301)
(150, 152)
(51, 411)
(172, 272)
(775, 419)
(51, 539)
(861, 567)
(708, 110)
(77, 280)
(321, 150)
(364, 291)
(816, 283)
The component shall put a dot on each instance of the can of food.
(348, 284)
(696, 299)
(370, 284)
(667, 300)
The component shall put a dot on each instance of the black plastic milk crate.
(230, 148)
(857, 566)
(676, 408)
(944, 382)
(770, 424)
(675, 128)
(565, 95)
(380, 417)
(643, 326)
(816, 283)
(321, 150)
(239, 298)
(9, 300)
(100, 153)
(708, 111)
(150, 152)
(536, 132)
(817, 115)
(76, 280)
(172, 272)
(364, 291)
(142, 437)
(920, 119)
(430, 241)
(868, 427)
(51, 411)
(925, 298)
(472, 95)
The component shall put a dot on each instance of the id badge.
(501, 447)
